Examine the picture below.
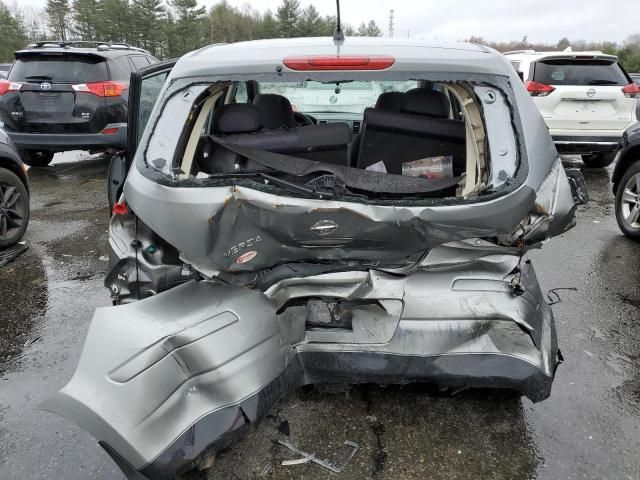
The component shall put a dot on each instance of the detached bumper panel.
(163, 380)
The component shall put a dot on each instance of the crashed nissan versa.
(258, 246)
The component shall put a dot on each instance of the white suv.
(586, 99)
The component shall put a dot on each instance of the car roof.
(533, 55)
(263, 56)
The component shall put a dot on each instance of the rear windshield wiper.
(296, 187)
(38, 77)
(313, 192)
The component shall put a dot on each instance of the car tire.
(14, 208)
(36, 158)
(598, 160)
(628, 202)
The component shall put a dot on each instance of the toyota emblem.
(333, 99)
(45, 86)
(591, 92)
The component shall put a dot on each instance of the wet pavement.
(589, 428)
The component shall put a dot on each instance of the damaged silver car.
(257, 247)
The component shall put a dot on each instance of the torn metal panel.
(502, 142)
(239, 229)
(311, 457)
(554, 210)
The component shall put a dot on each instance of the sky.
(497, 20)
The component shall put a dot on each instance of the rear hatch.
(58, 92)
(587, 93)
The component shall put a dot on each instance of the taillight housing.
(632, 90)
(7, 86)
(339, 62)
(102, 89)
(538, 89)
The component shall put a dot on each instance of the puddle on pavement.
(621, 278)
(23, 299)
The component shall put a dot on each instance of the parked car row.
(256, 244)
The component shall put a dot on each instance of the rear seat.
(275, 111)
(417, 128)
(243, 125)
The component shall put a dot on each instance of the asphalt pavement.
(588, 428)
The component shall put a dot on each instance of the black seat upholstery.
(420, 128)
(392, 101)
(275, 111)
(424, 101)
(242, 124)
(236, 118)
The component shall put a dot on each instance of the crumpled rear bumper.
(162, 380)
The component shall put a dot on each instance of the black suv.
(68, 96)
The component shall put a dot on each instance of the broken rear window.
(358, 139)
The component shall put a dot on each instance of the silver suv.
(256, 248)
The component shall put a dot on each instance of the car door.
(144, 88)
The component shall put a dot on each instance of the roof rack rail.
(101, 45)
(529, 52)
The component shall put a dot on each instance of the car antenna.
(338, 34)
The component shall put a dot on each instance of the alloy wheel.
(630, 202)
(12, 207)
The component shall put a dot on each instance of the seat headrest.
(236, 118)
(276, 111)
(422, 101)
(391, 101)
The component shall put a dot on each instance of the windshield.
(579, 72)
(59, 69)
(334, 97)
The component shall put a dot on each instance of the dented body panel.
(227, 222)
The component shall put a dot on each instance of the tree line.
(628, 52)
(167, 29)
(170, 28)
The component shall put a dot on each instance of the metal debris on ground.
(311, 457)
(554, 297)
(12, 253)
(265, 471)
